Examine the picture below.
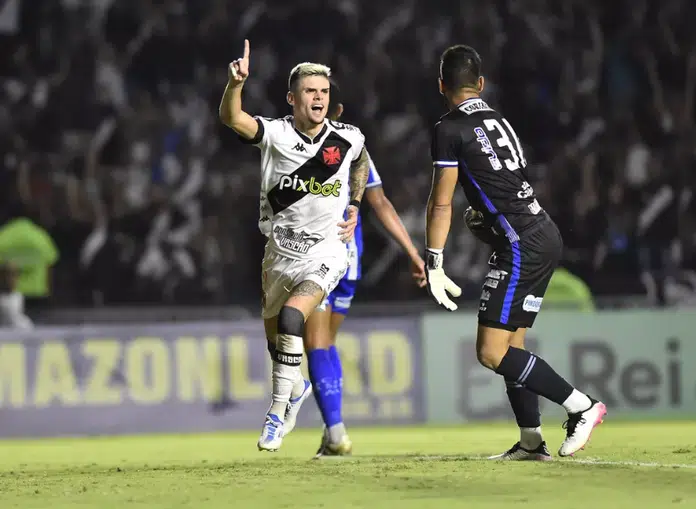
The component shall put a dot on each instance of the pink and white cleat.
(579, 428)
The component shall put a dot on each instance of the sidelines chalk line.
(587, 461)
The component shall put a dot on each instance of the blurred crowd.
(109, 138)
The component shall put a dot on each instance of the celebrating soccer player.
(312, 172)
(475, 146)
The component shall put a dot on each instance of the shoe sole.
(536, 457)
(599, 420)
(332, 457)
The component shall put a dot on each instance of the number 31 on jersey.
(512, 146)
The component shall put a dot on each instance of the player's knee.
(490, 355)
(290, 321)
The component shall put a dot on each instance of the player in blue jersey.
(322, 326)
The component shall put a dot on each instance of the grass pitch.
(628, 465)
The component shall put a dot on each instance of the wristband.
(354, 203)
(433, 258)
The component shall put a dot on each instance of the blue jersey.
(355, 246)
(342, 296)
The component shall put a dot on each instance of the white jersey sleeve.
(269, 129)
(373, 178)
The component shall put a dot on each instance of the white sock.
(283, 379)
(530, 438)
(577, 402)
(298, 387)
(336, 433)
(285, 374)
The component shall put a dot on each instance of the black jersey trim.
(256, 139)
(309, 140)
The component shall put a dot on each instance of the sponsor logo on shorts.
(534, 207)
(496, 274)
(486, 295)
(526, 192)
(297, 241)
(322, 271)
(532, 304)
(491, 283)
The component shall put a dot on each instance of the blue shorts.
(342, 296)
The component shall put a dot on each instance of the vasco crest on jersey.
(332, 156)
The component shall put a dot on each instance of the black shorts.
(520, 273)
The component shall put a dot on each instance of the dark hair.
(335, 98)
(460, 67)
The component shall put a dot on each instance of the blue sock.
(336, 362)
(327, 388)
(338, 370)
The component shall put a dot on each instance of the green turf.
(392, 468)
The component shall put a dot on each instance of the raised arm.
(231, 112)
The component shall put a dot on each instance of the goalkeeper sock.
(326, 391)
(525, 406)
(338, 371)
(537, 376)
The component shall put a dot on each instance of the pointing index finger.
(246, 48)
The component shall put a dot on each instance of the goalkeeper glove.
(439, 285)
(485, 233)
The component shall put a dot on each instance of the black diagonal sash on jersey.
(322, 166)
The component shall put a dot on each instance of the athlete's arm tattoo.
(307, 289)
(359, 171)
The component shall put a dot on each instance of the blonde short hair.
(307, 69)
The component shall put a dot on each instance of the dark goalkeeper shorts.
(520, 273)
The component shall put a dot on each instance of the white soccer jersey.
(304, 185)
